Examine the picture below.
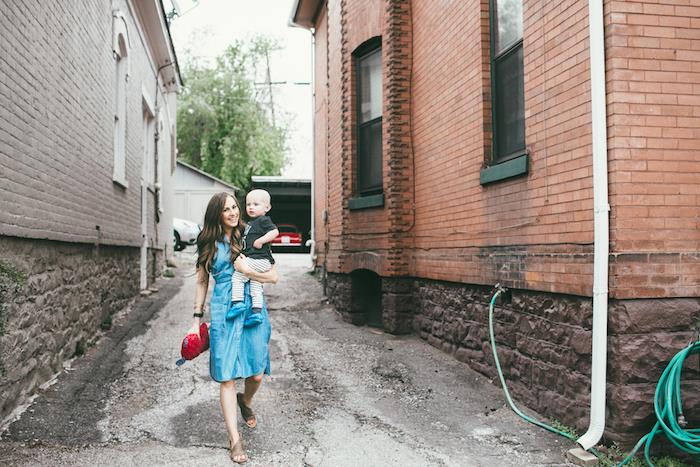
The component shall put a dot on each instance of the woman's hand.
(269, 277)
(195, 327)
(241, 266)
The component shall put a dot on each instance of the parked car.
(185, 233)
(289, 236)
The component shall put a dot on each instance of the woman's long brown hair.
(213, 231)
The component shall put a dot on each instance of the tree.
(224, 125)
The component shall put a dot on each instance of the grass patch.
(79, 348)
(613, 455)
(106, 323)
(556, 424)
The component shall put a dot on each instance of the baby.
(257, 236)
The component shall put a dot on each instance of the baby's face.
(256, 206)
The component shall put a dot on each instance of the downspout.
(157, 184)
(311, 243)
(601, 228)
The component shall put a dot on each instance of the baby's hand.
(258, 244)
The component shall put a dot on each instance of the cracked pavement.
(339, 395)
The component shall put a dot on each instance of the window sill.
(504, 170)
(364, 202)
(120, 182)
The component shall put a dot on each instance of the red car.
(289, 236)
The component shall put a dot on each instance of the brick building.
(453, 151)
(87, 132)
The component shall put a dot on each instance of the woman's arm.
(269, 277)
(199, 296)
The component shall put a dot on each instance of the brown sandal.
(237, 451)
(246, 412)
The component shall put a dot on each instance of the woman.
(239, 340)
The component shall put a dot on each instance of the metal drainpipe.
(311, 243)
(601, 228)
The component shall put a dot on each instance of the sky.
(207, 27)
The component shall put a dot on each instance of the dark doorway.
(291, 207)
(367, 296)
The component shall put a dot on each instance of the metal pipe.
(601, 244)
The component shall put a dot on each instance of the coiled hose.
(668, 405)
(668, 408)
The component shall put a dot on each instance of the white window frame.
(120, 51)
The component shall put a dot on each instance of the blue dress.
(239, 342)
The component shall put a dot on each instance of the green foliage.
(10, 281)
(106, 323)
(11, 273)
(224, 126)
(556, 424)
(613, 455)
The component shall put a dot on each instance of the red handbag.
(193, 344)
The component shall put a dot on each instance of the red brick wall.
(478, 234)
(321, 135)
(365, 20)
(653, 62)
(335, 124)
(536, 231)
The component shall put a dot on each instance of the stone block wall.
(644, 335)
(544, 347)
(339, 292)
(54, 297)
(544, 342)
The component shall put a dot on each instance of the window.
(149, 150)
(368, 62)
(507, 86)
(120, 50)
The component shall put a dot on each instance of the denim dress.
(239, 340)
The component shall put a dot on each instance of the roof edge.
(234, 187)
(304, 13)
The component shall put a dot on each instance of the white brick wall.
(56, 125)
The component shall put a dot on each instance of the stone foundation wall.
(544, 342)
(644, 335)
(396, 298)
(544, 345)
(54, 298)
(339, 292)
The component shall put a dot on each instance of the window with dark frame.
(368, 63)
(507, 83)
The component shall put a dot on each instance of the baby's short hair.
(260, 194)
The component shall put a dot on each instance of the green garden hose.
(503, 381)
(668, 408)
(667, 402)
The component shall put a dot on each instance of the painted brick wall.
(56, 128)
(653, 62)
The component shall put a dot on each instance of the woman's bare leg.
(229, 406)
(252, 384)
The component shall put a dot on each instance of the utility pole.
(269, 86)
